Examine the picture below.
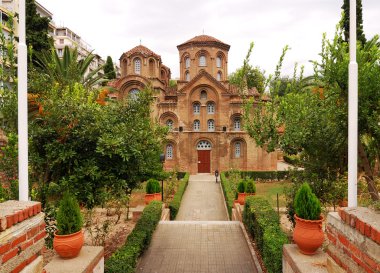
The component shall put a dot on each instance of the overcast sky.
(112, 27)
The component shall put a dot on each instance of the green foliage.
(50, 211)
(241, 186)
(228, 191)
(69, 217)
(9, 169)
(250, 186)
(261, 175)
(306, 204)
(292, 159)
(109, 69)
(359, 21)
(254, 77)
(263, 224)
(176, 202)
(125, 259)
(153, 186)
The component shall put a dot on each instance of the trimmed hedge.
(264, 175)
(229, 194)
(125, 259)
(263, 224)
(176, 202)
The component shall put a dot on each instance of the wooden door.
(204, 161)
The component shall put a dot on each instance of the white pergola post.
(23, 186)
(352, 112)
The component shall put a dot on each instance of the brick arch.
(232, 120)
(169, 115)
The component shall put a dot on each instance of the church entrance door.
(204, 161)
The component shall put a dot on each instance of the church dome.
(202, 40)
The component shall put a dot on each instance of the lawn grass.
(269, 191)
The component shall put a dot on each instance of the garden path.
(201, 240)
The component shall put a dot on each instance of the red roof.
(146, 52)
(204, 40)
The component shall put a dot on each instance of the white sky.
(112, 27)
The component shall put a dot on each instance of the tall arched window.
(134, 93)
(170, 123)
(237, 147)
(211, 125)
(197, 125)
(187, 76)
(218, 61)
(210, 108)
(202, 60)
(196, 108)
(151, 67)
(203, 95)
(219, 76)
(237, 124)
(187, 62)
(137, 66)
(169, 151)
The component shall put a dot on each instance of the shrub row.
(125, 259)
(263, 224)
(176, 202)
(264, 175)
(292, 159)
(181, 175)
(229, 194)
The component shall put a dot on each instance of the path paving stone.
(194, 245)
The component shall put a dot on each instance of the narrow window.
(237, 124)
(197, 125)
(218, 62)
(187, 76)
(219, 76)
(196, 108)
(210, 108)
(170, 123)
(169, 151)
(202, 60)
(187, 62)
(237, 149)
(203, 95)
(137, 66)
(211, 125)
(151, 67)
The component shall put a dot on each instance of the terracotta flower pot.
(149, 198)
(68, 246)
(241, 198)
(157, 196)
(308, 235)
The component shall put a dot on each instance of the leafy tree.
(359, 21)
(109, 69)
(37, 30)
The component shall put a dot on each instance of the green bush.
(150, 186)
(263, 175)
(241, 188)
(176, 202)
(306, 204)
(125, 259)
(263, 224)
(250, 186)
(229, 193)
(69, 217)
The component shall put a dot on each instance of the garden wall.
(22, 233)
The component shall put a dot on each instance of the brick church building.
(203, 112)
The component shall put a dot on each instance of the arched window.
(151, 67)
(218, 61)
(237, 147)
(187, 62)
(210, 108)
(219, 76)
(134, 93)
(203, 95)
(202, 60)
(237, 124)
(196, 108)
(204, 145)
(197, 125)
(169, 151)
(187, 76)
(137, 66)
(211, 125)
(170, 123)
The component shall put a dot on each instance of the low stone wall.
(22, 233)
(354, 235)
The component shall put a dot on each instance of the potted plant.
(68, 239)
(153, 191)
(250, 187)
(308, 234)
(157, 190)
(241, 192)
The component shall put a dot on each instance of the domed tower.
(203, 52)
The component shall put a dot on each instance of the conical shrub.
(306, 204)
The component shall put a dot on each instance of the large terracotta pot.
(157, 196)
(68, 246)
(308, 235)
(149, 198)
(241, 198)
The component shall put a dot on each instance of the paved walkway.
(199, 241)
(203, 200)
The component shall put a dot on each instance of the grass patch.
(269, 191)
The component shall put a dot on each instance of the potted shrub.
(68, 239)
(157, 190)
(308, 234)
(241, 192)
(150, 191)
(250, 187)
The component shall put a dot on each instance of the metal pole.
(352, 111)
(23, 186)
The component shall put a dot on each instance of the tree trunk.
(364, 163)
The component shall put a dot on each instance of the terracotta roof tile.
(143, 50)
(204, 39)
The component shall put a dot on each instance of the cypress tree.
(109, 69)
(359, 21)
